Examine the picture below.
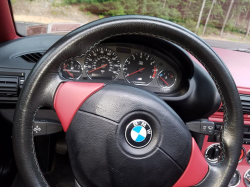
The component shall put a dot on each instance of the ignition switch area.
(212, 154)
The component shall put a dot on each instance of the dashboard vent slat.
(8, 86)
(31, 57)
(245, 102)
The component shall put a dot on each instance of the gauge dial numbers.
(70, 69)
(166, 78)
(235, 181)
(140, 69)
(102, 63)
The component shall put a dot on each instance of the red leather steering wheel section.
(196, 170)
(69, 97)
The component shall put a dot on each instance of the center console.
(211, 150)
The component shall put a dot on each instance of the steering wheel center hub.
(126, 138)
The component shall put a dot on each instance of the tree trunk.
(225, 21)
(237, 21)
(208, 16)
(164, 4)
(248, 28)
(233, 15)
(245, 17)
(200, 15)
(188, 5)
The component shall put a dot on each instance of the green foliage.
(101, 16)
(183, 12)
(106, 8)
(86, 1)
(212, 30)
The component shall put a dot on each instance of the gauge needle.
(248, 179)
(164, 81)
(68, 71)
(241, 155)
(135, 72)
(98, 68)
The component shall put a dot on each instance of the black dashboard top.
(11, 51)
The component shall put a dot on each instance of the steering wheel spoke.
(69, 97)
(196, 170)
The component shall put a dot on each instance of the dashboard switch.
(39, 128)
(202, 126)
(218, 127)
(43, 127)
(212, 154)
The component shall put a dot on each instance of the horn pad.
(124, 136)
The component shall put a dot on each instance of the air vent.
(245, 102)
(31, 57)
(8, 86)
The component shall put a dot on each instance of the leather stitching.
(225, 117)
(33, 147)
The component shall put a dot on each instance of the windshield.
(223, 20)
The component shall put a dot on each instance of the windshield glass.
(210, 19)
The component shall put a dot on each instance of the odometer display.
(102, 63)
(140, 68)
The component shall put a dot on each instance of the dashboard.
(148, 63)
(131, 64)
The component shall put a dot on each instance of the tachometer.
(140, 68)
(102, 63)
(70, 69)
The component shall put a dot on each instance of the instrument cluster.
(128, 63)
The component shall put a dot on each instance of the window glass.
(211, 19)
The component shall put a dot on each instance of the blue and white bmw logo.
(138, 133)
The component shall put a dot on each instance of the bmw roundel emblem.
(138, 133)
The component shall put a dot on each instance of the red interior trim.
(242, 167)
(69, 98)
(7, 31)
(239, 70)
(218, 117)
(196, 170)
(244, 90)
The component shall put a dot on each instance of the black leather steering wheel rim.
(42, 83)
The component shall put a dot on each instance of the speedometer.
(103, 63)
(140, 68)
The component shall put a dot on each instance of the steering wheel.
(98, 119)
